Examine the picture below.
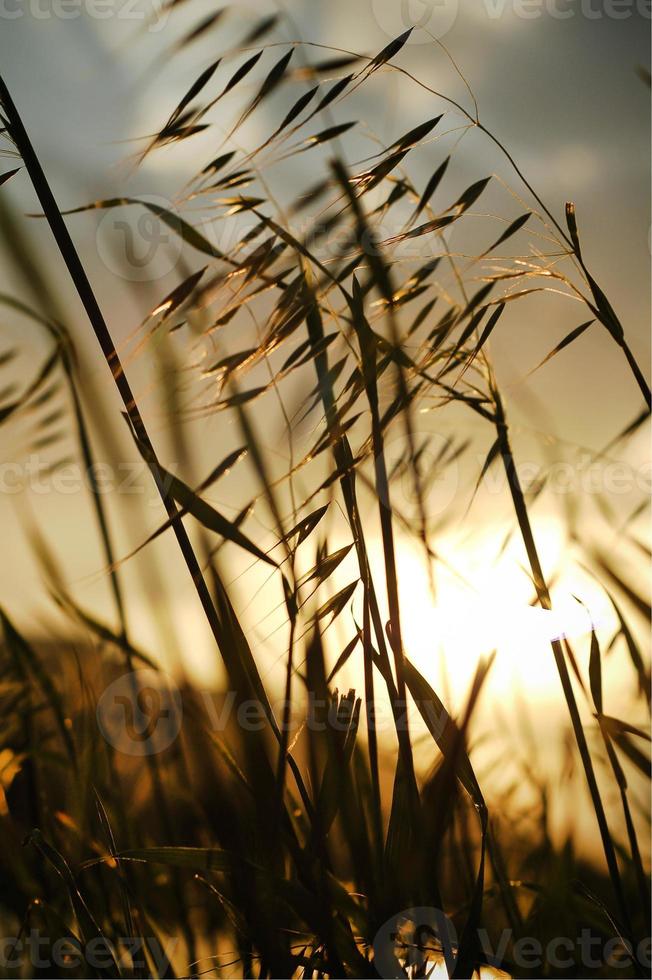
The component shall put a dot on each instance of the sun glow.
(484, 603)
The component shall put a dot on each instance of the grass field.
(427, 749)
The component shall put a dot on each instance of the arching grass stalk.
(569, 241)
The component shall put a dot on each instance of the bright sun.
(483, 603)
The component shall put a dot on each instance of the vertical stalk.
(387, 532)
(372, 740)
(522, 516)
(344, 463)
(642, 882)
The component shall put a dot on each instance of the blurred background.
(563, 86)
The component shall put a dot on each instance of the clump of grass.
(297, 853)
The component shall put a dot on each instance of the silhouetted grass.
(295, 852)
